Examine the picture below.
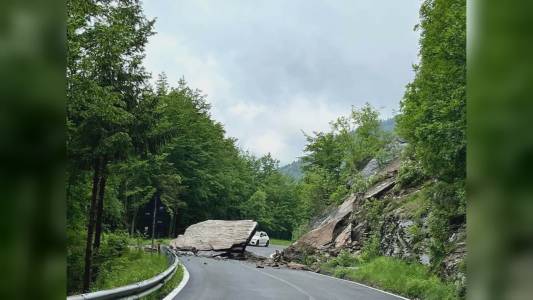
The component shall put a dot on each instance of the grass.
(130, 267)
(168, 287)
(408, 279)
(280, 242)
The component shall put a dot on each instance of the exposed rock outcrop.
(326, 232)
(216, 237)
(371, 168)
(402, 227)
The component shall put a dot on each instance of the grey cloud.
(348, 52)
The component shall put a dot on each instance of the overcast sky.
(272, 69)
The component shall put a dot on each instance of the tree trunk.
(154, 215)
(176, 224)
(170, 225)
(123, 190)
(90, 227)
(133, 222)
(99, 218)
(100, 211)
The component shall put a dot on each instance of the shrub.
(346, 259)
(340, 272)
(371, 248)
(410, 173)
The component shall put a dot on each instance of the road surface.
(241, 280)
(264, 251)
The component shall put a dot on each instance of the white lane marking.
(360, 284)
(180, 287)
(284, 281)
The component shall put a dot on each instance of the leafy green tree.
(433, 111)
(360, 137)
(105, 83)
(433, 119)
(256, 208)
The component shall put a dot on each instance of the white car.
(260, 238)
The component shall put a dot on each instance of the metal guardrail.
(135, 290)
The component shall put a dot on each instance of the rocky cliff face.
(397, 217)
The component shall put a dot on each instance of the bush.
(346, 259)
(115, 243)
(410, 174)
(340, 272)
(371, 249)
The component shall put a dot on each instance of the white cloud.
(246, 110)
(267, 142)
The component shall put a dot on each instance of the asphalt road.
(264, 251)
(241, 280)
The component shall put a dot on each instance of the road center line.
(284, 281)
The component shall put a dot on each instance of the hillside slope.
(293, 170)
(394, 219)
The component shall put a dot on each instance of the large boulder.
(216, 237)
(325, 234)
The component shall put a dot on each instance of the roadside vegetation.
(410, 279)
(121, 262)
(125, 262)
(130, 267)
(280, 242)
(168, 287)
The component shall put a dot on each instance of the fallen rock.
(380, 188)
(297, 266)
(345, 237)
(213, 238)
(327, 231)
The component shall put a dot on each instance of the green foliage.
(115, 244)
(341, 272)
(293, 170)
(371, 248)
(361, 138)
(345, 259)
(408, 279)
(280, 242)
(170, 285)
(433, 118)
(335, 158)
(130, 267)
(256, 208)
(433, 121)
(300, 230)
(411, 172)
(151, 145)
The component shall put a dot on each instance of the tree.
(105, 83)
(433, 110)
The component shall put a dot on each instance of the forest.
(147, 160)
